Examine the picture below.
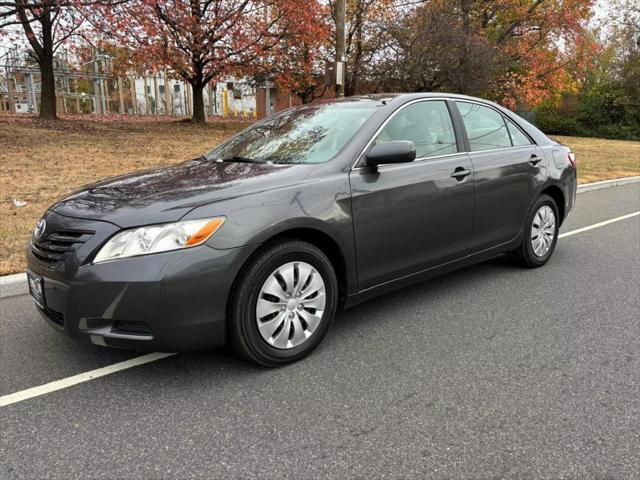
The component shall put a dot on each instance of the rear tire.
(540, 234)
(297, 288)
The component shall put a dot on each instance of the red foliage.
(205, 40)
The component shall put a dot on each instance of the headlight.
(158, 238)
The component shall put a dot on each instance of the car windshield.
(311, 134)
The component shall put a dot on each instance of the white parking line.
(598, 225)
(80, 378)
(152, 357)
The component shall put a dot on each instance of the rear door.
(508, 168)
(413, 216)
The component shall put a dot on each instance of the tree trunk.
(44, 54)
(45, 61)
(48, 88)
(198, 103)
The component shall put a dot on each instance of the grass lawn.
(41, 161)
(600, 159)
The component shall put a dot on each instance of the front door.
(413, 216)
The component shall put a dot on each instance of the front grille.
(55, 316)
(55, 247)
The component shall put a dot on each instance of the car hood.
(167, 194)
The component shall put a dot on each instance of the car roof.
(398, 97)
(394, 100)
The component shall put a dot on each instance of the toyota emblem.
(39, 230)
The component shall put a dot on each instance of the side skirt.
(423, 275)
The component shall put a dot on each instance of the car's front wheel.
(283, 303)
(540, 235)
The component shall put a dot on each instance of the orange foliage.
(551, 47)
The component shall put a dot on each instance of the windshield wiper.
(237, 158)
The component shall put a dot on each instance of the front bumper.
(171, 301)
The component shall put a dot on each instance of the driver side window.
(427, 124)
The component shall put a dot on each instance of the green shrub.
(608, 121)
(618, 132)
(557, 123)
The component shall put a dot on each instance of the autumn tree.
(301, 76)
(606, 100)
(297, 63)
(367, 38)
(435, 47)
(547, 46)
(622, 40)
(514, 51)
(46, 24)
(202, 40)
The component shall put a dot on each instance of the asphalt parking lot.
(489, 372)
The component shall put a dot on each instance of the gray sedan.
(259, 241)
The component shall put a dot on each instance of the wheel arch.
(558, 196)
(318, 238)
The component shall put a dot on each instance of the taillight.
(572, 159)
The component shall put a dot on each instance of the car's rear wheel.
(283, 303)
(540, 235)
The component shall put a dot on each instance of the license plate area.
(36, 288)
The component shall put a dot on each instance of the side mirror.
(400, 151)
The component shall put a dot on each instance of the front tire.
(540, 234)
(282, 303)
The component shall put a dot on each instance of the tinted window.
(427, 124)
(517, 137)
(485, 127)
(310, 134)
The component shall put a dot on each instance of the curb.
(616, 182)
(16, 284)
(13, 285)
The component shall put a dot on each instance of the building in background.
(93, 88)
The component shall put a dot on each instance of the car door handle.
(459, 173)
(535, 159)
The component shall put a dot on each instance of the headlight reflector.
(158, 238)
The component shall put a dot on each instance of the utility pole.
(121, 95)
(97, 86)
(12, 100)
(341, 14)
(146, 95)
(134, 95)
(32, 100)
(75, 84)
(156, 97)
(168, 99)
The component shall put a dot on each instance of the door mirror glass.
(400, 151)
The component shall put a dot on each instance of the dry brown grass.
(41, 161)
(600, 159)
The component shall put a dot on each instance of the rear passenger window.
(517, 137)
(485, 127)
(427, 124)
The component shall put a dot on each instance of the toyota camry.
(259, 241)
